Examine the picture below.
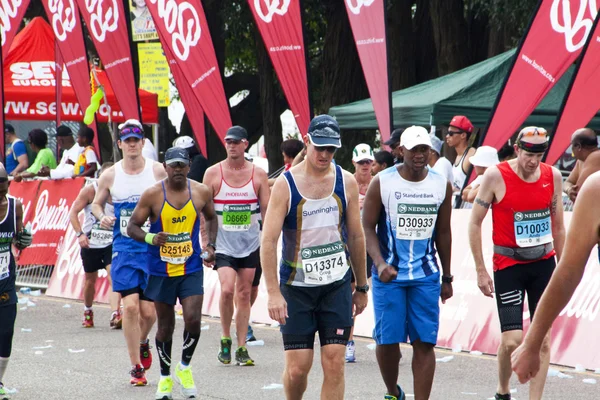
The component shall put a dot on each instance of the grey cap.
(324, 131)
(236, 132)
(436, 144)
(175, 155)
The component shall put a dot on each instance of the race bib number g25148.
(415, 221)
(533, 228)
(125, 216)
(324, 264)
(178, 249)
(237, 217)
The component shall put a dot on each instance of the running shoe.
(402, 396)
(250, 335)
(164, 389)
(138, 376)
(116, 320)
(242, 357)
(146, 355)
(3, 393)
(225, 354)
(499, 396)
(88, 319)
(186, 380)
(350, 350)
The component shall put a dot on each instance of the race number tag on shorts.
(533, 228)
(100, 237)
(125, 217)
(324, 264)
(416, 221)
(4, 261)
(236, 217)
(178, 249)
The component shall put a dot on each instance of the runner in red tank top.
(528, 231)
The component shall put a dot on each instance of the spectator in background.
(394, 143)
(584, 144)
(484, 157)
(438, 163)
(87, 162)
(38, 140)
(16, 155)
(293, 154)
(507, 152)
(383, 160)
(199, 163)
(459, 132)
(70, 154)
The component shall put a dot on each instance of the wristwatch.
(362, 289)
(79, 234)
(214, 246)
(447, 279)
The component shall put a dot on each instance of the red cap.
(461, 122)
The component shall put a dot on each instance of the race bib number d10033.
(236, 217)
(178, 249)
(324, 264)
(533, 228)
(415, 221)
(125, 216)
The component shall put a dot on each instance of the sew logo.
(270, 8)
(562, 21)
(8, 11)
(64, 18)
(183, 24)
(355, 5)
(102, 21)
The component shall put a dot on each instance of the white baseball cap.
(415, 136)
(362, 152)
(184, 142)
(131, 122)
(485, 156)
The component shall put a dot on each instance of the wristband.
(149, 238)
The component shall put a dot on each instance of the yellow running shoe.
(184, 377)
(165, 387)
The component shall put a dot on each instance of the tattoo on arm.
(554, 205)
(482, 203)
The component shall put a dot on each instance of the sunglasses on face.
(232, 141)
(177, 165)
(452, 133)
(133, 129)
(329, 149)
(364, 162)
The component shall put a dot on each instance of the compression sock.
(164, 355)
(190, 340)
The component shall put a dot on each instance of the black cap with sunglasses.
(324, 131)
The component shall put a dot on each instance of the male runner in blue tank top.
(316, 206)
(11, 232)
(406, 216)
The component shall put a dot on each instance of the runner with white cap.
(485, 157)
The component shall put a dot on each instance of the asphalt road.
(57, 359)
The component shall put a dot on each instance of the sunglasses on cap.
(329, 149)
(131, 129)
(533, 132)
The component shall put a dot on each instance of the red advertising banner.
(11, 15)
(581, 102)
(48, 210)
(66, 24)
(107, 25)
(280, 26)
(68, 277)
(553, 42)
(183, 30)
(367, 19)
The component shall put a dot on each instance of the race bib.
(4, 261)
(101, 237)
(236, 217)
(415, 221)
(324, 264)
(178, 249)
(533, 228)
(124, 220)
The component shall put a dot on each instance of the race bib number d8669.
(125, 216)
(178, 249)
(324, 264)
(416, 221)
(533, 228)
(236, 217)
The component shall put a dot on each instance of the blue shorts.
(408, 309)
(129, 271)
(167, 289)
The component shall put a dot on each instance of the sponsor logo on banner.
(54, 217)
(562, 21)
(36, 73)
(103, 19)
(8, 11)
(64, 18)
(272, 7)
(182, 23)
(355, 5)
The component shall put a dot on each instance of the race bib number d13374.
(324, 264)
(533, 228)
(415, 221)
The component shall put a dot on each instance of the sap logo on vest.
(178, 220)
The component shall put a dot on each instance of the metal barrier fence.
(34, 276)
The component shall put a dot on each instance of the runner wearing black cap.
(394, 143)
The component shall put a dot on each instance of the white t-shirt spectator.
(444, 167)
(64, 169)
(149, 151)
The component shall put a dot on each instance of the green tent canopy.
(471, 91)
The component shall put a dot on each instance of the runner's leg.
(147, 318)
(227, 277)
(164, 335)
(332, 361)
(388, 358)
(245, 276)
(509, 341)
(295, 374)
(89, 288)
(423, 367)
(8, 316)
(114, 298)
(192, 316)
(131, 326)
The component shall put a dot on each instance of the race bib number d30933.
(324, 264)
(237, 217)
(533, 228)
(178, 249)
(415, 221)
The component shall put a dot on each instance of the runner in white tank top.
(240, 193)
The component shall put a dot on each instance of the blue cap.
(324, 131)
(129, 131)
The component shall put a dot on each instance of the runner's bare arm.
(268, 248)
(141, 213)
(443, 231)
(102, 195)
(356, 237)
(159, 171)
(210, 216)
(557, 214)
(85, 197)
(299, 157)
(211, 177)
(19, 209)
(264, 191)
(370, 217)
(591, 165)
(466, 162)
(573, 178)
(19, 240)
